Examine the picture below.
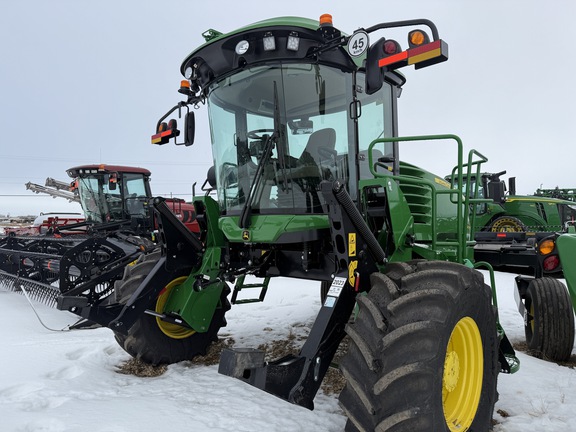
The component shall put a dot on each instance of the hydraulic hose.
(357, 220)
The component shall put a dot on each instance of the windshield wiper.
(246, 212)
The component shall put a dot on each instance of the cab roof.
(105, 169)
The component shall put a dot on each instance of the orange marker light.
(325, 19)
(417, 38)
(546, 247)
(185, 84)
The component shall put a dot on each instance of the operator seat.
(311, 168)
(135, 206)
(323, 139)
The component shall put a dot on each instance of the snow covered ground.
(58, 381)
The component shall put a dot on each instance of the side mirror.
(374, 75)
(210, 182)
(112, 181)
(497, 191)
(189, 129)
(512, 185)
(166, 131)
(211, 176)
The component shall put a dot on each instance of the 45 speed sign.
(358, 43)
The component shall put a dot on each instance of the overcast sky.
(85, 82)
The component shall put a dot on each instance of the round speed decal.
(358, 43)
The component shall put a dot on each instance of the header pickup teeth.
(37, 291)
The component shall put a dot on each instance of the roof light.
(269, 42)
(293, 42)
(325, 20)
(417, 38)
(242, 47)
(185, 88)
(188, 72)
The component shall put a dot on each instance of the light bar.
(422, 56)
(165, 132)
(162, 137)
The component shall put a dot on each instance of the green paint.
(197, 308)
(270, 228)
(566, 244)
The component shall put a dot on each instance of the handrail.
(463, 233)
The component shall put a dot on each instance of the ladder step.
(240, 285)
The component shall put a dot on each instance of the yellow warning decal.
(442, 182)
(352, 272)
(351, 244)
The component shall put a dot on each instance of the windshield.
(109, 198)
(315, 140)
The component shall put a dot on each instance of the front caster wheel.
(155, 341)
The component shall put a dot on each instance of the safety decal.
(351, 244)
(352, 272)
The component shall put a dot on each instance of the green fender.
(566, 244)
(196, 299)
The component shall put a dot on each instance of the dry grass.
(523, 347)
(140, 369)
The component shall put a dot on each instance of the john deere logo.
(246, 235)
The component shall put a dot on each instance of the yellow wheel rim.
(173, 331)
(462, 377)
(506, 225)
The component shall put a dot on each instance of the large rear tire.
(154, 341)
(424, 352)
(549, 324)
